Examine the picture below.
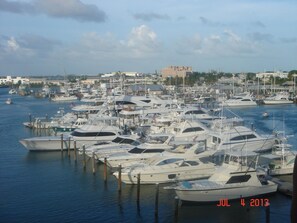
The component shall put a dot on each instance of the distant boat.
(12, 91)
(8, 101)
(242, 99)
(265, 114)
(279, 98)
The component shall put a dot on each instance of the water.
(50, 187)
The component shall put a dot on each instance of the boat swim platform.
(283, 187)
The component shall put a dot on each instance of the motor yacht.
(278, 98)
(242, 99)
(179, 164)
(235, 179)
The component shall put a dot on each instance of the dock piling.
(105, 170)
(157, 200)
(84, 156)
(93, 162)
(267, 213)
(138, 188)
(69, 141)
(120, 179)
(62, 143)
(74, 150)
(176, 200)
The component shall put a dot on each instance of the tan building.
(173, 71)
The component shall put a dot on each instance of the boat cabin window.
(138, 150)
(168, 161)
(123, 140)
(239, 179)
(193, 129)
(153, 151)
(245, 100)
(92, 134)
(216, 140)
(195, 112)
(192, 163)
(243, 137)
(124, 103)
(146, 101)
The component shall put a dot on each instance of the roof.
(142, 87)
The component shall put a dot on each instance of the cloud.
(288, 40)
(261, 37)
(27, 46)
(208, 22)
(258, 24)
(227, 43)
(142, 41)
(150, 16)
(73, 9)
(16, 7)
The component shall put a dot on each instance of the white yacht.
(122, 143)
(90, 134)
(278, 98)
(148, 101)
(192, 163)
(155, 144)
(64, 98)
(227, 136)
(188, 130)
(280, 161)
(46, 143)
(235, 179)
(242, 99)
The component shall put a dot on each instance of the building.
(176, 71)
(10, 80)
(269, 74)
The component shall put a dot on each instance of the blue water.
(51, 187)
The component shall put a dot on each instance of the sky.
(52, 37)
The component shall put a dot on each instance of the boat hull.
(166, 176)
(218, 194)
(46, 143)
(275, 102)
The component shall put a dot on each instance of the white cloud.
(12, 44)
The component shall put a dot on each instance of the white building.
(11, 80)
(267, 75)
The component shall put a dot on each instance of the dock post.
(69, 141)
(74, 150)
(267, 213)
(157, 200)
(62, 143)
(138, 188)
(93, 162)
(120, 179)
(176, 199)
(84, 156)
(105, 170)
(39, 127)
(30, 121)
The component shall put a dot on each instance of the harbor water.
(52, 187)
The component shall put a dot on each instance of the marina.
(69, 186)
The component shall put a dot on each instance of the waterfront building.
(176, 71)
(10, 80)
